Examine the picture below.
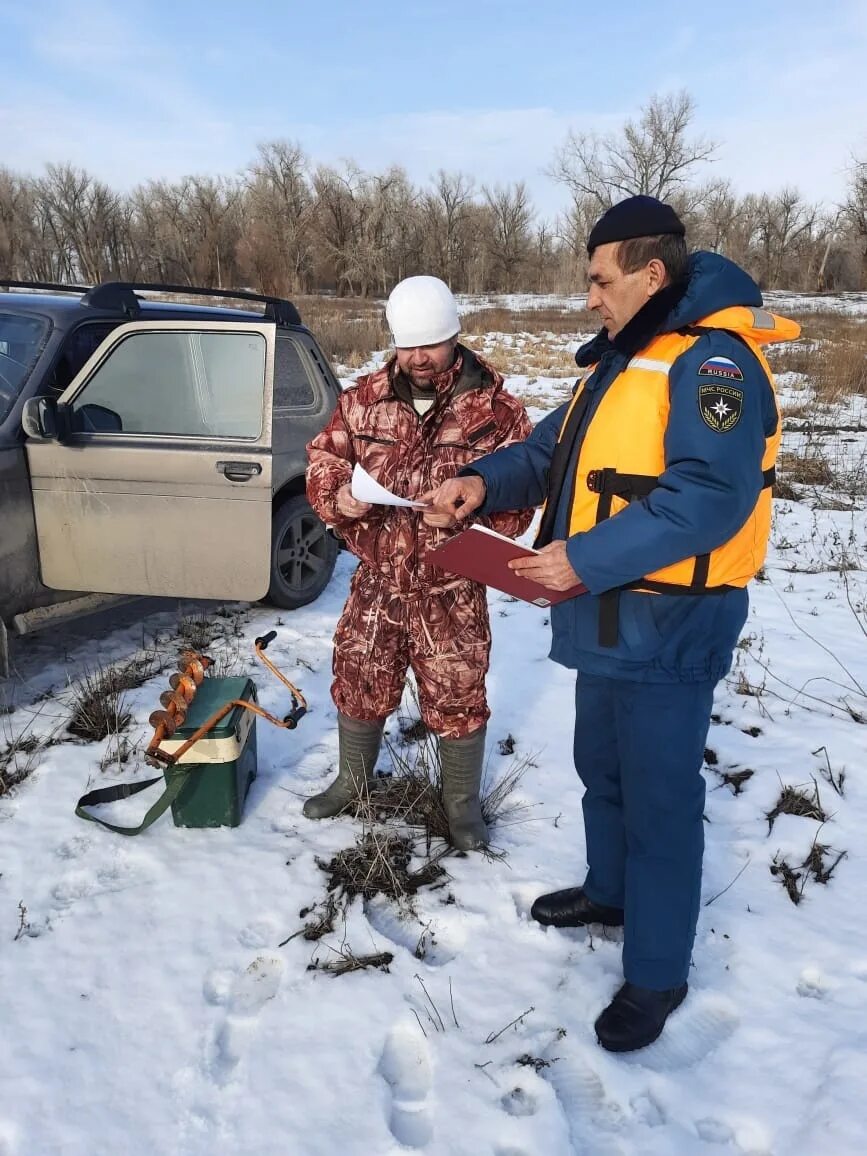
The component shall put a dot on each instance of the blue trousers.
(639, 749)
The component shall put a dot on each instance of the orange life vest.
(622, 452)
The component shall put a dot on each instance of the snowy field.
(147, 1008)
(853, 303)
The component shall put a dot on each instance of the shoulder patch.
(720, 367)
(720, 406)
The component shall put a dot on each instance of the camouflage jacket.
(376, 425)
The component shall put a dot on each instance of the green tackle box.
(219, 769)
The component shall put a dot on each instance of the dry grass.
(797, 801)
(832, 352)
(98, 703)
(379, 863)
(533, 357)
(563, 322)
(19, 757)
(807, 469)
(348, 329)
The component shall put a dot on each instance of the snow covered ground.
(147, 1009)
(781, 300)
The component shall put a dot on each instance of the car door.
(161, 483)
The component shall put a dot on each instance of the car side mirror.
(39, 418)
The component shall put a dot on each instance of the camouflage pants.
(445, 637)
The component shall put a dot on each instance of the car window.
(332, 385)
(175, 382)
(77, 348)
(21, 339)
(292, 386)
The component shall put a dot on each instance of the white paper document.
(367, 489)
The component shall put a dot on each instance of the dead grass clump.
(792, 880)
(797, 801)
(412, 795)
(818, 866)
(18, 760)
(378, 863)
(324, 914)
(784, 491)
(808, 469)
(98, 703)
(345, 961)
(197, 631)
(735, 779)
(818, 862)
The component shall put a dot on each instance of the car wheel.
(303, 554)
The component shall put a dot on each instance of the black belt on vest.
(608, 483)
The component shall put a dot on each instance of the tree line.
(287, 226)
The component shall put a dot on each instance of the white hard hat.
(421, 311)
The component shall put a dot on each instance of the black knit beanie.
(634, 217)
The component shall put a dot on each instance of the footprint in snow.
(73, 848)
(591, 1115)
(244, 999)
(437, 941)
(520, 1102)
(405, 1066)
(692, 1032)
(261, 932)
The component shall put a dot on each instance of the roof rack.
(120, 296)
(44, 285)
(117, 294)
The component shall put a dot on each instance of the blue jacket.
(710, 486)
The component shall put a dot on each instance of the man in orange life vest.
(656, 480)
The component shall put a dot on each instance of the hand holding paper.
(367, 489)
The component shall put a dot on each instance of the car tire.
(303, 554)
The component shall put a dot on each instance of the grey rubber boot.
(461, 761)
(358, 745)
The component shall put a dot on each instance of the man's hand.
(347, 506)
(453, 501)
(550, 567)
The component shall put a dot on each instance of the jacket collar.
(647, 323)
(476, 375)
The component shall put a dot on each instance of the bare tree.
(784, 219)
(87, 220)
(278, 242)
(655, 156)
(445, 209)
(509, 240)
(188, 231)
(856, 211)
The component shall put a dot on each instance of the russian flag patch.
(720, 367)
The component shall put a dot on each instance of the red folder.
(483, 555)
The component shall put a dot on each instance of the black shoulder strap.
(559, 465)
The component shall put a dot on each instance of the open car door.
(160, 480)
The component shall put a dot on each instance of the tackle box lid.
(212, 694)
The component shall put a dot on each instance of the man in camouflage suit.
(431, 409)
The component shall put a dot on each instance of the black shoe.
(636, 1017)
(572, 908)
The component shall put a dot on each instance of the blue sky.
(160, 89)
